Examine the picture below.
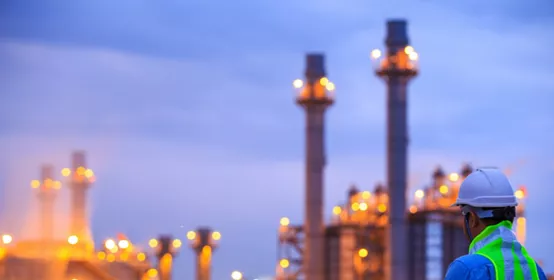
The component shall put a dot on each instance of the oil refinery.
(77, 257)
(378, 234)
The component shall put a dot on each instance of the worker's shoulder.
(472, 266)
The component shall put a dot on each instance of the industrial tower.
(80, 181)
(397, 68)
(314, 97)
(46, 191)
(203, 241)
(166, 248)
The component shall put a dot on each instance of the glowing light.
(337, 210)
(521, 229)
(110, 258)
(519, 194)
(35, 184)
(366, 195)
(7, 239)
(191, 235)
(382, 208)
(413, 56)
(363, 253)
(284, 263)
(323, 81)
(355, 206)
(408, 50)
(109, 244)
(141, 257)
(419, 194)
(443, 189)
(48, 183)
(363, 206)
(123, 244)
(298, 83)
(89, 173)
(330, 86)
(57, 185)
(152, 273)
(73, 239)
(177, 243)
(216, 235)
(375, 54)
(284, 221)
(66, 172)
(236, 275)
(206, 250)
(413, 209)
(454, 177)
(153, 243)
(101, 255)
(81, 171)
(124, 256)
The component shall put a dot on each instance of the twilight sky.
(186, 111)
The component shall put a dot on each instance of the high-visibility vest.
(499, 244)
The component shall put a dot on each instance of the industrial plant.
(77, 257)
(378, 234)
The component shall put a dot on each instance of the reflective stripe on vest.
(499, 244)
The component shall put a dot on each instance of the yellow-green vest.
(499, 244)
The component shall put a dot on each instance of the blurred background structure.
(77, 257)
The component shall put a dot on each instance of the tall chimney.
(397, 68)
(81, 179)
(314, 96)
(46, 192)
(203, 242)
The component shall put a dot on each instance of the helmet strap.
(468, 232)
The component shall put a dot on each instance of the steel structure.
(203, 241)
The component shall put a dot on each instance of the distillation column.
(314, 97)
(46, 192)
(397, 69)
(80, 181)
(203, 242)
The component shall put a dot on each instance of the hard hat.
(486, 187)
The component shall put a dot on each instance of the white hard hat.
(486, 187)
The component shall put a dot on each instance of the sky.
(186, 112)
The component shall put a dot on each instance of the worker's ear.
(473, 220)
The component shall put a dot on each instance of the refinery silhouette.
(378, 234)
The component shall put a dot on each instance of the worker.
(488, 204)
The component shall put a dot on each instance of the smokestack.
(165, 257)
(397, 69)
(80, 182)
(46, 188)
(314, 96)
(203, 242)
